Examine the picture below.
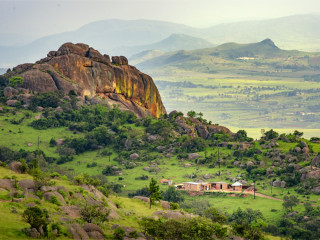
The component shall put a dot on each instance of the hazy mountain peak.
(268, 42)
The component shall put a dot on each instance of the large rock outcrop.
(83, 69)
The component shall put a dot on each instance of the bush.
(172, 195)
(52, 142)
(91, 165)
(174, 206)
(36, 217)
(55, 200)
(98, 213)
(140, 192)
(119, 233)
(15, 81)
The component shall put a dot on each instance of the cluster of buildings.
(215, 186)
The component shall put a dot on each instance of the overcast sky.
(40, 18)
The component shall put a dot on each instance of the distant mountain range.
(129, 37)
(224, 55)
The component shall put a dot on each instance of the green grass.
(19, 136)
(229, 204)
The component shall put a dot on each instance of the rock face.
(83, 69)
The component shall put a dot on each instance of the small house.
(220, 186)
(166, 181)
(237, 186)
(192, 186)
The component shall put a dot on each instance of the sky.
(33, 19)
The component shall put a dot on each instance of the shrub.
(97, 213)
(119, 233)
(36, 217)
(174, 206)
(52, 142)
(15, 81)
(55, 200)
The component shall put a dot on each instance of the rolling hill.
(121, 36)
(173, 43)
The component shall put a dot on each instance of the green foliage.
(240, 136)
(174, 206)
(119, 233)
(15, 81)
(191, 144)
(161, 127)
(191, 114)
(172, 195)
(216, 216)
(36, 217)
(197, 228)
(91, 165)
(94, 213)
(54, 200)
(247, 223)
(269, 135)
(197, 206)
(47, 99)
(86, 179)
(110, 170)
(140, 192)
(42, 179)
(52, 142)
(290, 202)
(155, 193)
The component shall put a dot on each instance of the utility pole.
(219, 158)
(254, 189)
(38, 142)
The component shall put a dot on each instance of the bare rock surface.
(83, 69)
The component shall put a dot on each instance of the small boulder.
(113, 215)
(90, 227)
(277, 183)
(48, 188)
(192, 156)
(15, 166)
(123, 60)
(9, 92)
(26, 184)
(12, 103)
(250, 164)
(146, 169)
(165, 204)
(6, 184)
(297, 149)
(141, 198)
(134, 156)
(48, 196)
(187, 165)
(39, 109)
(316, 161)
(77, 232)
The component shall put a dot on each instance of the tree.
(15, 81)
(36, 217)
(172, 195)
(216, 216)
(290, 202)
(269, 135)
(155, 193)
(191, 114)
(240, 136)
(297, 134)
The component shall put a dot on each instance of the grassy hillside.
(120, 154)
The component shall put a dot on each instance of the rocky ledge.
(84, 70)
